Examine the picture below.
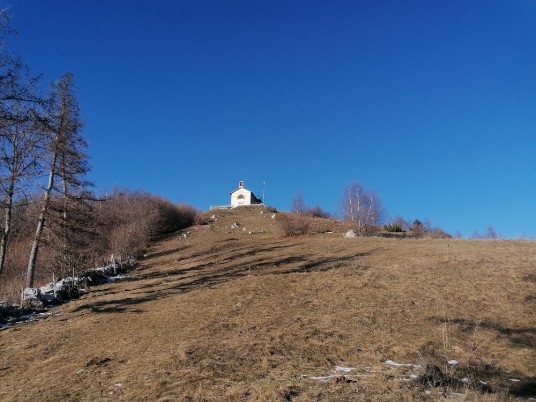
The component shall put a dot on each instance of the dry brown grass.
(222, 314)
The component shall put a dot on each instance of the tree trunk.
(8, 210)
(40, 225)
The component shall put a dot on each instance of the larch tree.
(66, 187)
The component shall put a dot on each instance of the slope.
(238, 312)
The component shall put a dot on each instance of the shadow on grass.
(524, 336)
(167, 252)
(514, 383)
(242, 262)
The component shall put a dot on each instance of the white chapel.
(242, 196)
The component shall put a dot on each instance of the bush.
(120, 225)
(317, 212)
(167, 218)
(131, 219)
(393, 228)
(294, 225)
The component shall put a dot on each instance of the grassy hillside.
(218, 313)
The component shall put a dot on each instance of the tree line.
(40, 135)
(52, 221)
(363, 209)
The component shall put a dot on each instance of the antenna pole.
(263, 189)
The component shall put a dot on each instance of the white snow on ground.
(323, 378)
(393, 363)
(369, 370)
(344, 369)
(28, 317)
(411, 377)
(326, 378)
(34, 316)
(118, 277)
(115, 278)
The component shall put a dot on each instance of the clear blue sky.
(430, 103)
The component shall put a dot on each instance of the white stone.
(350, 233)
(31, 293)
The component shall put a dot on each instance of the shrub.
(418, 228)
(120, 225)
(166, 217)
(317, 212)
(393, 228)
(294, 225)
(131, 219)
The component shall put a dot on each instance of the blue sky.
(432, 104)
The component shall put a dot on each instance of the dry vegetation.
(218, 313)
(120, 226)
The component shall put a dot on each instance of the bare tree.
(19, 139)
(298, 204)
(418, 228)
(491, 233)
(16, 84)
(400, 221)
(19, 155)
(360, 206)
(67, 162)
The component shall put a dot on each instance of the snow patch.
(323, 378)
(393, 363)
(344, 369)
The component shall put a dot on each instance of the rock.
(208, 221)
(273, 216)
(31, 293)
(235, 225)
(100, 275)
(350, 234)
(31, 297)
(66, 288)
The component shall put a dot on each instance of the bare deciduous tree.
(19, 139)
(298, 204)
(19, 155)
(362, 207)
(491, 233)
(418, 228)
